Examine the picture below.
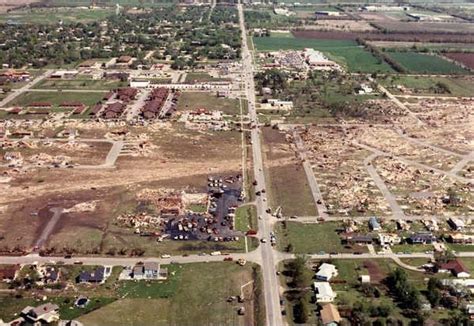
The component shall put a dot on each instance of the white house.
(324, 292)
(389, 238)
(326, 272)
(456, 224)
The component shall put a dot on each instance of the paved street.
(17, 92)
(270, 280)
(134, 110)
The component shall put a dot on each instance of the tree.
(433, 292)
(300, 311)
(300, 274)
(405, 292)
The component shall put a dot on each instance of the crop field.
(438, 27)
(419, 85)
(466, 59)
(415, 36)
(345, 52)
(52, 16)
(424, 45)
(415, 62)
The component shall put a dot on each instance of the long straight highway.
(268, 260)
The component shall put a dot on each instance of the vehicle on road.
(216, 253)
(165, 256)
(263, 240)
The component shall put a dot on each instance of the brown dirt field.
(325, 35)
(87, 153)
(376, 274)
(466, 59)
(288, 184)
(376, 17)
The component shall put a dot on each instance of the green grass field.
(192, 291)
(201, 77)
(347, 53)
(312, 238)
(425, 64)
(56, 98)
(54, 15)
(111, 3)
(458, 86)
(80, 84)
(246, 218)
(195, 100)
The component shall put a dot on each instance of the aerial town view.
(236, 162)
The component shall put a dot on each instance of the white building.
(328, 13)
(456, 223)
(389, 238)
(281, 105)
(324, 292)
(318, 61)
(59, 74)
(139, 83)
(385, 8)
(326, 272)
(282, 12)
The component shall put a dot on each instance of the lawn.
(201, 77)
(311, 238)
(460, 247)
(194, 100)
(411, 248)
(56, 98)
(80, 84)
(191, 293)
(415, 62)
(246, 218)
(458, 86)
(346, 52)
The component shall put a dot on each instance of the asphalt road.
(19, 91)
(268, 262)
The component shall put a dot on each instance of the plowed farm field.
(466, 59)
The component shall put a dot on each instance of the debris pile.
(165, 201)
(338, 165)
